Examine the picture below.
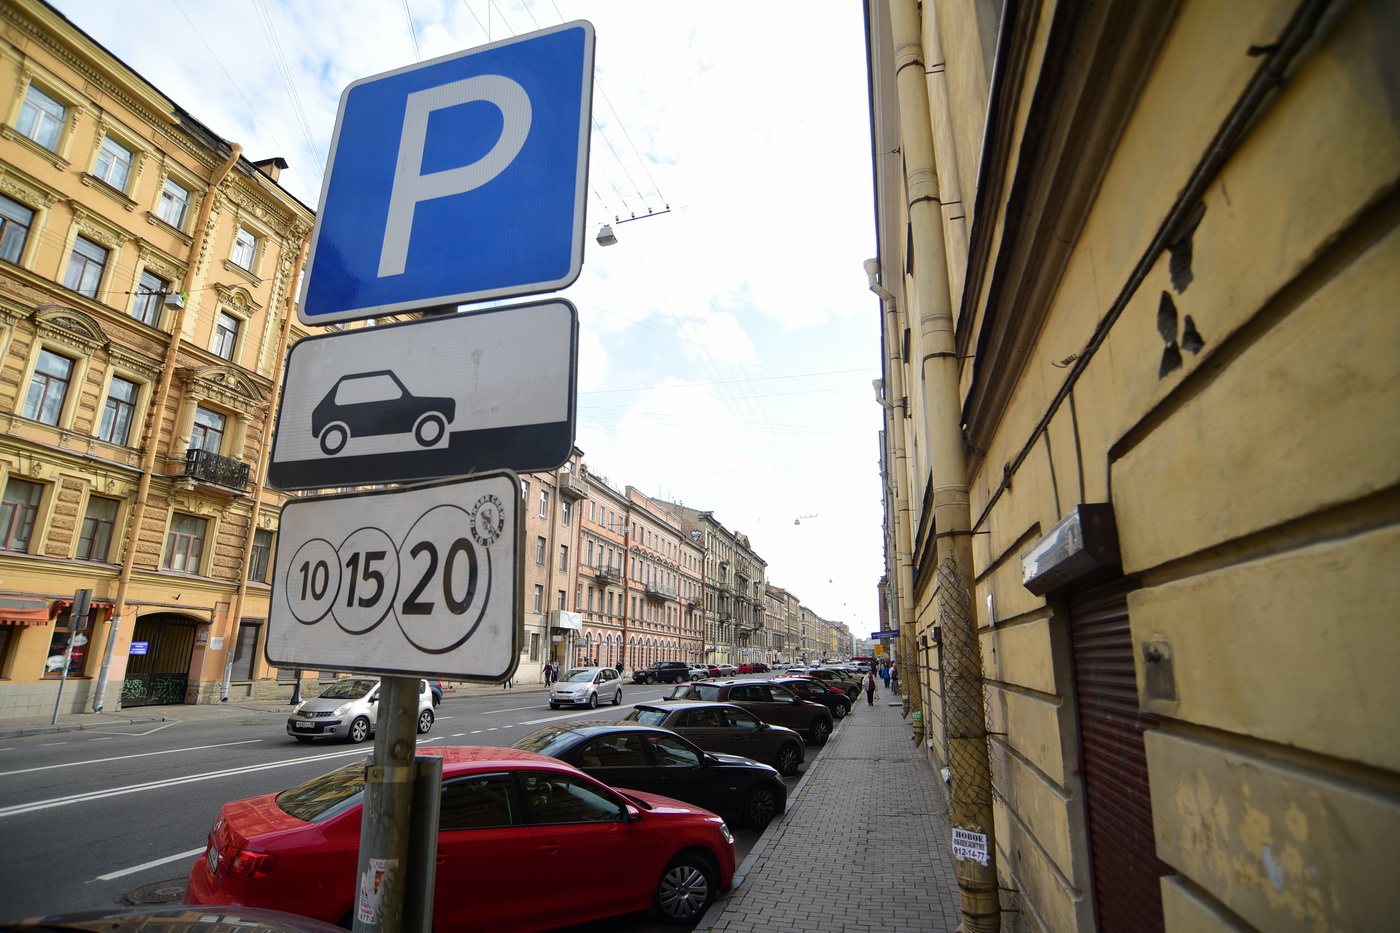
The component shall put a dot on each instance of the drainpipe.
(150, 440)
(963, 689)
(897, 463)
(269, 422)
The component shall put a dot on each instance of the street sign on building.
(415, 581)
(440, 396)
(893, 633)
(454, 180)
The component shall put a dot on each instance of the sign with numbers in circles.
(417, 580)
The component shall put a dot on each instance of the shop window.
(245, 651)
(99, 522)
(18, 510)
(58, 644)
(15, 222)
(184, 546)
(119, 412)
(41, 118)
(48, 387)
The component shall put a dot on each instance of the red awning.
(16, 611)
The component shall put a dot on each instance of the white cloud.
(727, 347)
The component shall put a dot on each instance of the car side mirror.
(634, 814)
(374, 699)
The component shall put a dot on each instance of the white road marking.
(99, 761)
(151, 864)
(105, 738)
(169, 782)
(164, 725)
(48, 744)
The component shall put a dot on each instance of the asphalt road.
(91, 818)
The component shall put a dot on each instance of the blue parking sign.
(455, 180)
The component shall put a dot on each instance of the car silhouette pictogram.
(377, 403)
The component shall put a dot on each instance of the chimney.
(271, 167)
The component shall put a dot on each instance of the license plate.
(213, 858)
(304, 725)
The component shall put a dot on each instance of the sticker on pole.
(423, 580)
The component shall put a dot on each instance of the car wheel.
(359, 730)
(760, 806)
(617, 697)
(593, 700)
(819, 732)
(553, 705)
(302, 738)
(425, 721)
(333, 438)
(429, 429)
(839, 710)
(789, 757)
(685, 890)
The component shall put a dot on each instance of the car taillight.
(243, 863)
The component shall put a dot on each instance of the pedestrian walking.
(548, 673)
(870, 688)
(885, 673)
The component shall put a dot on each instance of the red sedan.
(526, 842)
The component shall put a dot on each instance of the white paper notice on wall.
(968, 845)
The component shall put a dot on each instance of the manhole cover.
(162, 892)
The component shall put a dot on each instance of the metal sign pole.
(82, 602)
(384, 826)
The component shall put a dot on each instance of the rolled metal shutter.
(1127, 893)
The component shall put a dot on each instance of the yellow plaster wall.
(1020, 654)
(1286, 849)
(1185, 911)
(1303, 420)
(1031, 725)
(1299, 648)
(1050, 901)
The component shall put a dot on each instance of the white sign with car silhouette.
(437, 397)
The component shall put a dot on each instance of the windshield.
(546, 741)
(349, 689)
(326, 796)
(581, 675)
(646, 715)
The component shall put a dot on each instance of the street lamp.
(606, 237)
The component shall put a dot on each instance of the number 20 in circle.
(446, 582)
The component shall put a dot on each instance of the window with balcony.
(48, 387)
(41, 118)
(184, 545)
(99, 522)
(19, 507)
(119, 411)
(15, 222)
(150, 298)
(208, 431)
(113, 163)
(174, 203)
(85, 267)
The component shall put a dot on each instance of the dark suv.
(666, 672)
(769, 701)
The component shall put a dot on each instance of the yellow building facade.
(1138, 268)
(146, 303)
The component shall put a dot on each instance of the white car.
(348, 709)
(586, 686)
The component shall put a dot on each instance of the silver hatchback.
(348, 709)
(586, 686)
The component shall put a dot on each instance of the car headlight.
(728, 836)
(341, 710)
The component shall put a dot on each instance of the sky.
(727, 347)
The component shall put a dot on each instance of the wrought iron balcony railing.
(212, 468)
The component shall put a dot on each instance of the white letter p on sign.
(411, 186)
